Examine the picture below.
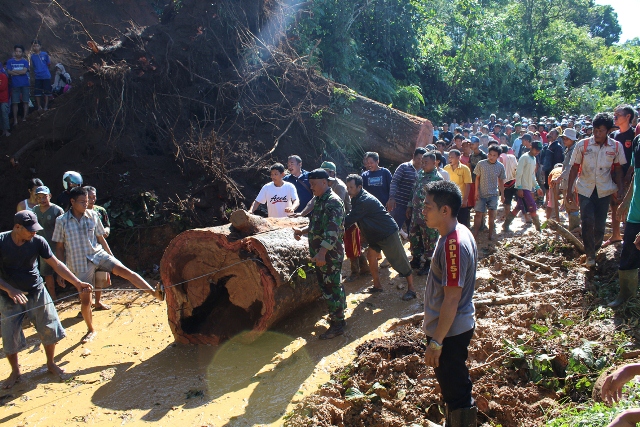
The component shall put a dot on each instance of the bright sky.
(628, 15)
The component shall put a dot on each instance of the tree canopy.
(465, 58)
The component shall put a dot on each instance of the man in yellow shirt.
(460, 174)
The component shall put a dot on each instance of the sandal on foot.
(372, 290)
(408, 296)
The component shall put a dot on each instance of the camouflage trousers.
(422, 240)
(329, 279)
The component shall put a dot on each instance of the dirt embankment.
(525, 357)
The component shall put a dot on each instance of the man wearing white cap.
(571, 205)
(47, 212)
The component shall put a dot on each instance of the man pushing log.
(325, 232)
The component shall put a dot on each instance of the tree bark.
(372, 126)
(219, 285)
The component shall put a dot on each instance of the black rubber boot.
(334, 330)
(465, 417)
(507, 221)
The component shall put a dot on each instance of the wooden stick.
(530, 261)
(568, 235)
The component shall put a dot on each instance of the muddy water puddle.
(133, 373)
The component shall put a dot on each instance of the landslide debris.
(526, 358)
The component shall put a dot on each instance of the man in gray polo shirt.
(449, 313)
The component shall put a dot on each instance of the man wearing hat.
(47, 212)
(22, 292)
(352, 245)
(325, 233)
(569, 138)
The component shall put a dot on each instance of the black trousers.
(464, 216)
(630, 257)
(453, 374)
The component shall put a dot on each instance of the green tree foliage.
(465, 58)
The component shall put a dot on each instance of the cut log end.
(218, 288)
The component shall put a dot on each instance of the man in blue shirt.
(41, 62)
(300, 179)
(376, 180)
(18, 70)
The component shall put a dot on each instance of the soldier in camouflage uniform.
(325, 233)
(422, 238)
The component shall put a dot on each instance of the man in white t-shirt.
(280, 197)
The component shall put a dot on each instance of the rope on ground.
(134, 290)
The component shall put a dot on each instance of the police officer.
(325, 232)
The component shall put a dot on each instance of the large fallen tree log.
(234, 283)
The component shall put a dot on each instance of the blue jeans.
(399, 214)
(594, 211)
(5, 107)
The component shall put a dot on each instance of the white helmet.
(71, 177)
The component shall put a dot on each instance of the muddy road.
(134, 373)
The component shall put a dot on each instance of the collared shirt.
(596, 164)
(461, 176)
(80, 238)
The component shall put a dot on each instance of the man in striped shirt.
(402, 187)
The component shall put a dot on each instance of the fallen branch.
(568, 235)
(530, 262)
(630, 354)
(25, 147)
(509, 299)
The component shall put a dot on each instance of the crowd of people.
(15, 83)
(428, 201)
(67, 239)
(583, 162)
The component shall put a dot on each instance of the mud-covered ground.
(133, 373)
(525, 358)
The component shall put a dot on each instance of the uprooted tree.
(178, 120)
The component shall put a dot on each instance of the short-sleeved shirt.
(454, 263)
(378, 183)
(277, 199)
(461, 176)
(596, 164)
(40, 63)
(303, 189)
(104, 216)
(19, 264)
(474, 159)
(47, 220)
(489, 173)
(634, 209)
(17, 65)
(80, 238)
(626, 139)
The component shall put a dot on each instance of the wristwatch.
(435, 345)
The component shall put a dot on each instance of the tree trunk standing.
(234, 284)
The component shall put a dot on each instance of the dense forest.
(446, 59)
